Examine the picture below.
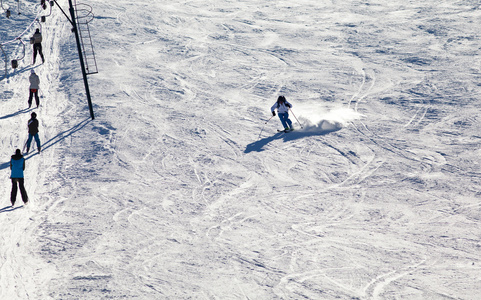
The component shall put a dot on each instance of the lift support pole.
(80, 55)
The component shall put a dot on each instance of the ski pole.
(296, 118)
(264, 126)
(23, 150)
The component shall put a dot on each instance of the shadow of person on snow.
(62, 135)
(324, 127)
(17, 71)
(259, 145)
(56, 139)
(9, 208)
(15, 113)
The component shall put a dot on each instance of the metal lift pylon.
(88, 63)
(83, 15)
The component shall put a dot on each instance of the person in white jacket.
(34, 86)
(282, 107)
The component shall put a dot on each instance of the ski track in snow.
(170, 194)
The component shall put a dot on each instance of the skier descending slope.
(282, 107)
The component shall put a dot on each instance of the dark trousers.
(23, 192)
(37, 48)
(33, 92)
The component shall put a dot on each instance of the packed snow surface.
(182, 188)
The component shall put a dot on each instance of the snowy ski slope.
(179, 189)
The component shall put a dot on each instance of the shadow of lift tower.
(81, 15)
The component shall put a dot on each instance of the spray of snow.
(315, 117)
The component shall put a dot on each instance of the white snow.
(179, 189)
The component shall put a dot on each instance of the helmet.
(34, 115)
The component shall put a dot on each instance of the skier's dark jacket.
(33, 126)
(17, 165)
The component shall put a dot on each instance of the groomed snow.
(181, 187)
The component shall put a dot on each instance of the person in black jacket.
(17, 165)
(33, 132)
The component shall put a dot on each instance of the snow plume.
(316, 118)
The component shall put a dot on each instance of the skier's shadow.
(18, 71)
(9, 208)
(65, 134)
(258, 146)
(22, 111)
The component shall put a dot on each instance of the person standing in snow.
(283, 107)
(17, 166)
(33, 132)
(34, 87)
(36, 40)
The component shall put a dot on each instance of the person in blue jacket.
(17, 165)
(282, 107)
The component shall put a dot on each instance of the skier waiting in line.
(33, 132)
(17, 165)
(36, 40)
(282, 107)
(34, 87)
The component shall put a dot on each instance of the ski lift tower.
(81, 15)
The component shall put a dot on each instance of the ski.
(285, 130)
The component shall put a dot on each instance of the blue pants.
(285, 120)
(37, 140)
